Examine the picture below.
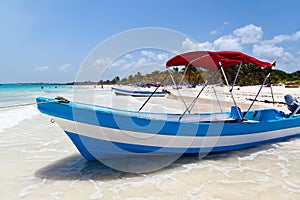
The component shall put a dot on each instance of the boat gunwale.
(143, 115)
(134, 92)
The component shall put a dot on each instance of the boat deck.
(227, 117)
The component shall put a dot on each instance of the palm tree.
(192, 75)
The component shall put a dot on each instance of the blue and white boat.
(103, 132)
(138, 93)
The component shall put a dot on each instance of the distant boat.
(138, 93)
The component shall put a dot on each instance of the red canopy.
(215, 60)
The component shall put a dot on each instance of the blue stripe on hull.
(130, 121)
(90, 147)
(80, 146)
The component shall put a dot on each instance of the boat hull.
(137, 93)
(100, 132)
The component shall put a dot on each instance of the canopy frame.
(214, 55)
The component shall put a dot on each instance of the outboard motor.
(292, 103)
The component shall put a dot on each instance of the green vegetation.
(249, 75)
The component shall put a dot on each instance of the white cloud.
(279, 38)
(118, 62)
(228, 42)
(64, 68)
(271, 49)
(296, 36)
(188, 45)
(207, 46)
(100, 63)
(144, 61)
(267, 51)
(248, 34)
(128, 56)
(162, 56)
(283, 38)
(213, 32)
(249, 38)
(149, 54)
(42, 68)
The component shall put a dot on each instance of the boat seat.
(268, 114)
(292, 104)
(235, 113)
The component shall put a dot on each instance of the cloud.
(222, 43)
(144, 61)
(248, 34)
(213, 32)
(64, 68)
(153, 56)
(274, 48)
(42, 68)
(284, 38)
(249, 38)
(228, 42)
(149, 54)
(189, 45)
(118, 62)
(128, 56)
(162, 56)
(100, 63)
(267, 51)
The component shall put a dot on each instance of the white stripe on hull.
(171, 141)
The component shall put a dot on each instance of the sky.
(50, 40)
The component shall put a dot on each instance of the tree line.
(248, 75)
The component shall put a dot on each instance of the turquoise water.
(34, 87)
(11, 94)
(14, 100)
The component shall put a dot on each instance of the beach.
(38, 160)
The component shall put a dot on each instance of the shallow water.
(38, 161)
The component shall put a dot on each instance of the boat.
(138, 93)
(101, 132)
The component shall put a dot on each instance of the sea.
(38, 160)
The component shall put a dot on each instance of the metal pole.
(234, 102)
(183, 74)
(271, 91)
(194, 101)
(217, 99)
(245, 114)
(152, 94)
(178, 90)
(236, 77)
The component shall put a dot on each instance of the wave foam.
(13, 117)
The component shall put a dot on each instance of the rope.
(57, 99)
(17, 105)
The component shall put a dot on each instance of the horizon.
(85, 81)
(42, 46)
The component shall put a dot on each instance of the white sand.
(38, 161)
